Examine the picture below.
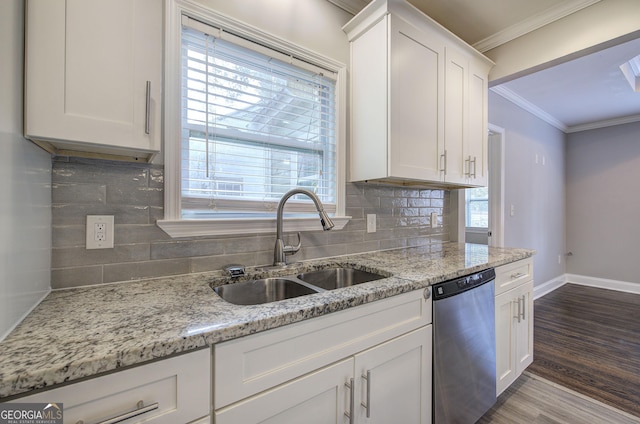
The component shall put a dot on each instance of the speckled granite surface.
(87, 331)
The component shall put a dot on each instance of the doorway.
(481, 210)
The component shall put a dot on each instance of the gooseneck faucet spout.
(281, 250)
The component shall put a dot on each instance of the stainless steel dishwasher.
(464, 348)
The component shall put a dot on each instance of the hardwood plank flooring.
(534, 400)
(588, 340)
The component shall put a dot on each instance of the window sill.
(222, 227)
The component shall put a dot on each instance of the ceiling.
(584, 93)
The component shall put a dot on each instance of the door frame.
(495, 156)
(496, 184)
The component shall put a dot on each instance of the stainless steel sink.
(267, 290)
(262, 291)
(335, 278)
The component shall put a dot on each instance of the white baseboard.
(603, 283)
(546, 288)
(584, 280)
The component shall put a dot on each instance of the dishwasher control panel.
(462, 284)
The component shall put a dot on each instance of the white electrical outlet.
(99, 231)
(371, 223)
(434, 219)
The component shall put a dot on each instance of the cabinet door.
(514, 334)
(87, 67)
(506, 371)
(524, 328)
(456, 116)
(398, 388)
(415, 103)
(477, 147)
(317, 398)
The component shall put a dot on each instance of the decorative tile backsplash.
(133, 193)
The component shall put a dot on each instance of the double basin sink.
(272, 289)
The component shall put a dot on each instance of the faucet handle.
(290, 250)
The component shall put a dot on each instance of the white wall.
(25, 172)
(536, 189)
(603, 202)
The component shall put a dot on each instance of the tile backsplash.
(133, 193)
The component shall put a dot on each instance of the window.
(477, 207)
(252, 119)
(249, 117)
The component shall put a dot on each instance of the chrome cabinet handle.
(147, 117)
(519, 311)
(518, 275)
(443, 168)
(474, 166)
(140, 409)
(467, 163)
(352, 401)
(367, 406)
(524, 303)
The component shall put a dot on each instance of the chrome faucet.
(281, 250)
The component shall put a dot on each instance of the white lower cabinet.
(388, 383)
(371, 363)
(514, 329)
(174, 390)
(393, 380)
(319, 397)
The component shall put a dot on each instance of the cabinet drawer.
(249, 365)
(180, 386)
(513, 274)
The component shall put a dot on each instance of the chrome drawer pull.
(367, 406)
(443, 157)
(140, 409)
(352, 401)
(147, 117)
(518, 275)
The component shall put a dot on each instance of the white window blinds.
(255, 123)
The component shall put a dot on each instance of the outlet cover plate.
(96, 238)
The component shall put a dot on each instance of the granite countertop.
(83, 332)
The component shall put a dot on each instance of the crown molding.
(351, 6)
(520, 101)
(603, 124)
(532, 23)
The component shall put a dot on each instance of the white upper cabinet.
(418, 100)
(93, 75)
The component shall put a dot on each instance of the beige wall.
(588, 30)
(313, 24)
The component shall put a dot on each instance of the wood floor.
(588, 340)
(533, 400)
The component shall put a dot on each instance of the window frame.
(467, 202)
(173, 223)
